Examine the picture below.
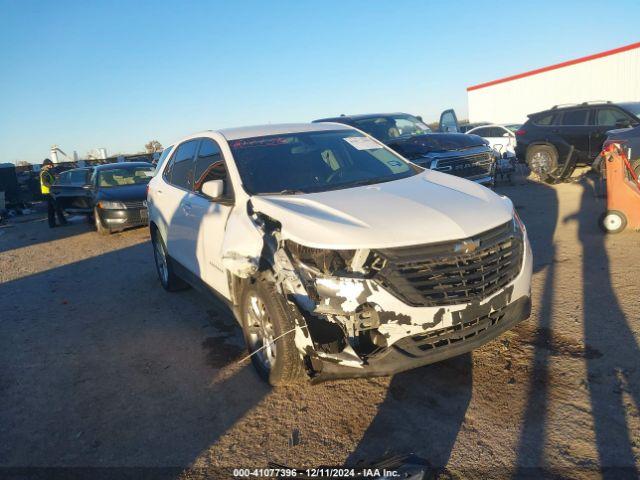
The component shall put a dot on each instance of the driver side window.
(209, 166)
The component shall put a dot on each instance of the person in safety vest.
(46, 181)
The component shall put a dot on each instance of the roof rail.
(595, 102)
(560, 105)
(590, 102)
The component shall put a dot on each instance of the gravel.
(102, 368)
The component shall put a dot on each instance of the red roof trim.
(556, 66)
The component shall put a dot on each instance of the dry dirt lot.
(99, 367)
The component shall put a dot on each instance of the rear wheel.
(100, 228)
(613, 221)
(543, 161)
(168, 279)
(268, 324)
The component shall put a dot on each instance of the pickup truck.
(447, 151)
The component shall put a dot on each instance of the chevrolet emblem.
(466, 246)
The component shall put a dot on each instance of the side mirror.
(506, 134)
(213, 188)
(419, 117)
(623, 124)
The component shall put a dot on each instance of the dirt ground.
(99, 367)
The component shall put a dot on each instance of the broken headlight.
(319, 260)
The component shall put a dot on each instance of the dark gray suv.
(554, 141)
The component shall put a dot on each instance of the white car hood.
(426, 208)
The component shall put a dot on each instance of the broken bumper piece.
(432, 346)
(405, 336)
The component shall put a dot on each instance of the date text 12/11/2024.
(368, 473)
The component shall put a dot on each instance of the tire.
(100, 228)
(543, 161)
(613, 221)
(266, 315)
(168, 279)
(635, 166)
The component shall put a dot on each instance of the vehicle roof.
(277, 129)
(361, 116)
(561, 108)
(77, 168)
(502, 125)
(109, 166)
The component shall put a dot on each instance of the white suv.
(338, 257)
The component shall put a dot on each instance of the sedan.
(114, 195)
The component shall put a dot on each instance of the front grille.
(428, 342)
(474, 166)
(442, 274)
(135, 204)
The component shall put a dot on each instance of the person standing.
(46, 181)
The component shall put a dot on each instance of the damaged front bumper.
(401, 336)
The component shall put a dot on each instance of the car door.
(72, 191)
(209, 216)
(174, 202)
(606, 118)
(574, 128)
(449, 122)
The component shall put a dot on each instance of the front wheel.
(100, 228)
(613, 221)
(543, 161)
(269, 326)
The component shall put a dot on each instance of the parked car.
(113, 195)
(338, 257)
(466, 156)
(502, 138)
(465, 127)
(546, 140)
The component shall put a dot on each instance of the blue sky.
(116, 74)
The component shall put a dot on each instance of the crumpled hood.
(420, 145)
(426, 208)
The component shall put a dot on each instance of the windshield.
(388, 127)
(315, 162)
(118, 177)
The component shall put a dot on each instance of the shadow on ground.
(115, 372)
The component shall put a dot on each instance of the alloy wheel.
(261, 333)
(161, 262)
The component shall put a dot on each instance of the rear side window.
(483, 132)
(163, 157)
(575, 117)
(210, 166)
(79, 177)
(180, 171)
(544, 119)
(609, 117)
(63, 179)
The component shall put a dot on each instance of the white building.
(612, 75)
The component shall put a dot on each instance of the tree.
(153, 146)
